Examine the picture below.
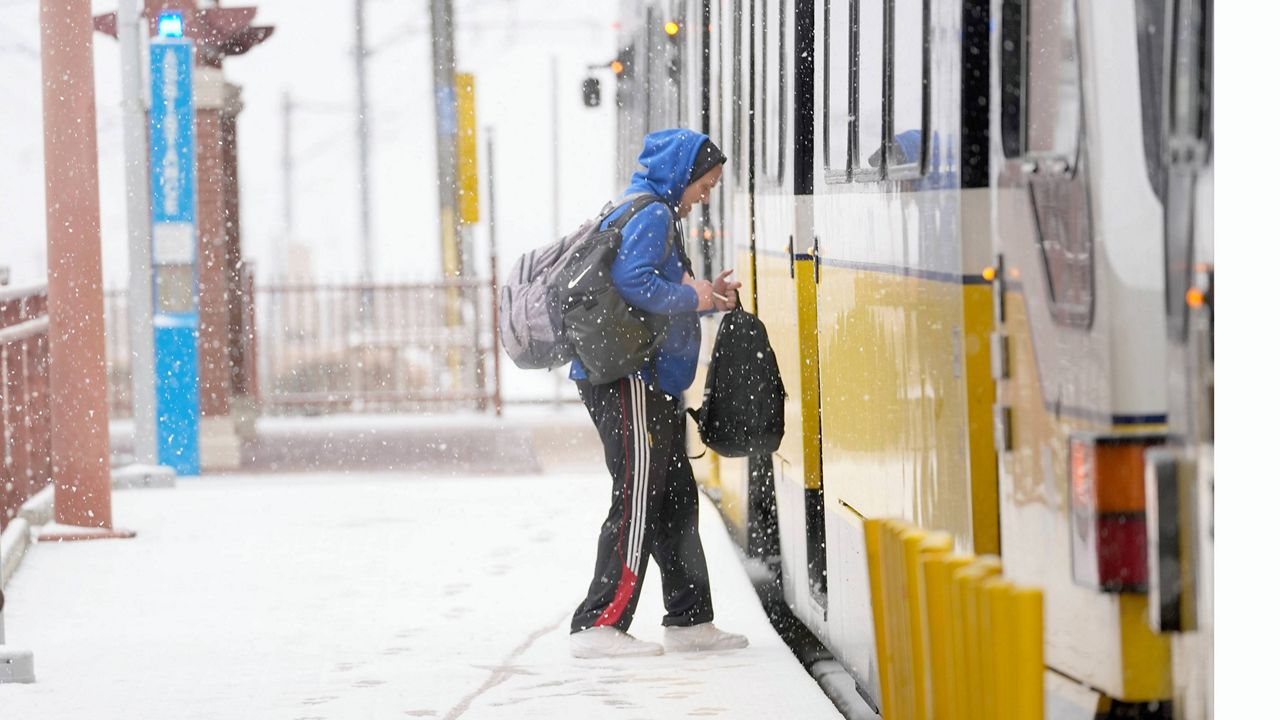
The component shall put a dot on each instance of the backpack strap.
(697, 423)
(640, 201)
(637, 203)
(616, 203)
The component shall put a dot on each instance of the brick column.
(80, 448)
(219, 446)
(244, 405)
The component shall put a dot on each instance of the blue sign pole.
(173, 237)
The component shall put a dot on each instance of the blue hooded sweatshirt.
(648, 275)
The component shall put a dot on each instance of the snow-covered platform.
(337, 596)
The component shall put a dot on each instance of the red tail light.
(1108, 511)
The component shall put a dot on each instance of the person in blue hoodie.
(654, 508)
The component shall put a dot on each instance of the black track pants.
(654, 509)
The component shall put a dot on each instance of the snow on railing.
(24, 396)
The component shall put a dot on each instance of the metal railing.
(343, 347)
(375, 348)
(25, 421)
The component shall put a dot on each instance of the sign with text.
(173, 167)
(174, 250)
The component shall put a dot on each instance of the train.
(980, 235)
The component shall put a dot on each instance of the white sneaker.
(701, 638)
(605, 641)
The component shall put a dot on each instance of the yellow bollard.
(954, 640)
(966, 598)
(1027, 613)
(904, 661)
(943, 631)
(993, 597)
(895, 665)
(874, 532)
(917, 546)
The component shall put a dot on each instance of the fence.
(344, 347)
(24, 396)
(374, 348)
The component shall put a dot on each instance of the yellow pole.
(931, 545)
(965, 602)
(468, 156)
(874, 531)
(996, 648)
(1028, 639)
(944, 666)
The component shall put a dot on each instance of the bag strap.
(640, 201)
(694, 414)
(636, 202)
(616, 203)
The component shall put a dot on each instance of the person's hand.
(703, 288)
(727, 290)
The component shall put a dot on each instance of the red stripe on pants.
(627, 586)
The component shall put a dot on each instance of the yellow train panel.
(894, 412)
(777, 308)
(980, 389)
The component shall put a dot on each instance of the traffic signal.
(624, 64)
(591, 92)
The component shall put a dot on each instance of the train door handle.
(817, 261)
(791, 256)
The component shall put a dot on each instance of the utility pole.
(138, 220)
(362, 132)
(453, 260)
(555, 146)
(286, 162)
(493, 276)
(555, 187)
(453, 256)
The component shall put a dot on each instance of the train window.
(870, 84)
(837, 89)
(1040, 79)
(1013, 79)
(1040, 122)
(735, 103)
(1053, 76)
(910, 28)
(1190, 101)
(784, 71)
(717, 28)
(1152, 21)
(773, 112)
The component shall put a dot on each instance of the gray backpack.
(560, 302)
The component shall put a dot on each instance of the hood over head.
(666, 162)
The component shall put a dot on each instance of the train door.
(780, 239)
(787, 153)
(1175, 42)
(1080, 356)
(712, 233)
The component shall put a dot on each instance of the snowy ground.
(367, 596)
